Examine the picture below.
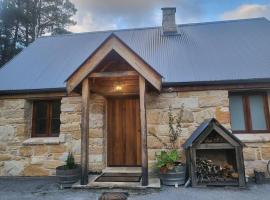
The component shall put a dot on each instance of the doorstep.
(154, 183)
(122, 170)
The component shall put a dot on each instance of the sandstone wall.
(197, 106)
(21, 155)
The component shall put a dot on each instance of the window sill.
(43, 140)
(253, 137)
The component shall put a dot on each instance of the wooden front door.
(124, 135)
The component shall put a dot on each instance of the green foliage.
(174, 125)
(70, 162)
(22, 21)
(167, 159)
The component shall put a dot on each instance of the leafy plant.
(70, 162)
(169, 158)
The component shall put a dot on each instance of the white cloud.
(248, 11)
(114, 14)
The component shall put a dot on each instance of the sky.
(97, 15)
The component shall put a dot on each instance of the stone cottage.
(101, 94)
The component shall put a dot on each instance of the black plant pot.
(67, 177)
(174, 177)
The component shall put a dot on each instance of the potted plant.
(69, 173)
(171, 170)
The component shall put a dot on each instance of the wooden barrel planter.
(67, 177)
(174, 177)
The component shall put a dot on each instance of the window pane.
(55, 126)
(55, 123)
(237, 113)
(56, 105)
(41, 110)
(40, 127)
(41, 117)
(257, 112)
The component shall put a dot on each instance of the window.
(249, 113)
(46, 118)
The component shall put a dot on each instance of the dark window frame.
(247, 113)
(49, 117)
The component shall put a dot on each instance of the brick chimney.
(168, 21)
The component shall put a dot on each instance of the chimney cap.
(169, 8)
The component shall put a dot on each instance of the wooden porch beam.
(85, 131)
(143, 132)
(113, 74)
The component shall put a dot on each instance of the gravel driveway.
(46, 188)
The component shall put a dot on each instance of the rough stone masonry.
(21, 155)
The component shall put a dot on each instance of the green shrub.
(70, 162)
(166, 160)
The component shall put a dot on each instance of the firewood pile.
(209, 172)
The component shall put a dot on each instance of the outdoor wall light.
(118, 88)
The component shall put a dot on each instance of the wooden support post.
(193, 168)
(85, 130)
(143, 132)
(240, 166)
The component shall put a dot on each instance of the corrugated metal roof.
(215, 51)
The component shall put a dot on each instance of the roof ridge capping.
(153, 27)
(225, 21)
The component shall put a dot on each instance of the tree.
(22, 21)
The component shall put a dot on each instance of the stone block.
(95, 158)
(265, 153)
(96, 141)
(21, 130)
(35, 170)
(40, 150)
(211, 101)
(14, 104)
(38, 160)
(96, 120)
(13, 168)
(3, 147)
(249, 154)
(76, 135)
(161, 130)
(187, 116)
(52, 164)
(157, 117)
(95, 150)
(222, 115)
(154, 143)
(5, 157)
(7, 133)
(57, 148)
(70, 127)
(96, 133)
(204, 114)
(70, 118)
(97, 108)
(25, 151)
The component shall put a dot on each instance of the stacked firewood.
(208, 171)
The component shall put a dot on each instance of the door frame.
(135, 96)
